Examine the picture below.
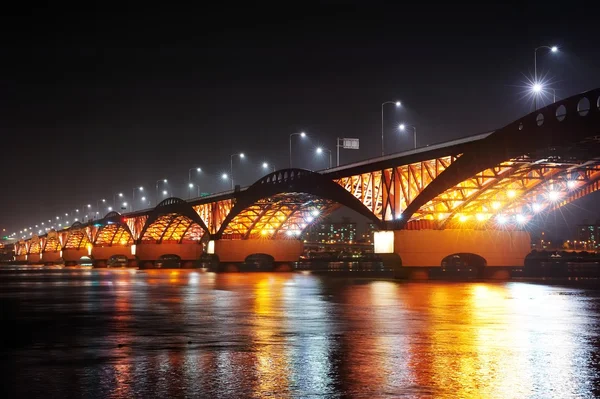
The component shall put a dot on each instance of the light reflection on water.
(164, 333)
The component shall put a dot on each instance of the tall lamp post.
(321, 150)
(398, 104)
(115, 199)
(537, 87)
(133, 195)
(190, 173)
(157, 183)
(241, 155)
(403, 127)
(98, 206)
(88, 208)
(301, 134)
(191, 186)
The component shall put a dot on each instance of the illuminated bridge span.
(472, 195)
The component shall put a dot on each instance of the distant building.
(541, 243)
(332, 232)
(587, 236)
(368, 236)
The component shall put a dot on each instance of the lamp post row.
(536, 88)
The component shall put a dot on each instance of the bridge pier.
(149, 253)
(51, 257)
(101, 255)
(72, 256)
(33, 259)
(284, 252)
(423, 251)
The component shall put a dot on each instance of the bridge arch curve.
(173, 220)
(52, 242)
(282, 197)
(112, 230)
(77, 237)
(550, 156)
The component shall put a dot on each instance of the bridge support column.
(72, 256)
(148, 253)
(236, 251)
(51, 257)
(33, 259)
(101, 255)
(423, 250)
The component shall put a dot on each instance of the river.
(182, 333)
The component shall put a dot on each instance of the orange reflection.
(271, 365)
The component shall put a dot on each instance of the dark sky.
(99, 101)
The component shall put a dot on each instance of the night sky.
(99, 102)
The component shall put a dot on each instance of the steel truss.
(279, 216)
(112, 235)
(172, 228)
(52, 243)
(213, 214)
(388, 192)
(77, 238)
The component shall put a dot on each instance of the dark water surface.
(145, 334)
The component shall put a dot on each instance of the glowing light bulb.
(553, 195)
(480, 217)
(511, 193)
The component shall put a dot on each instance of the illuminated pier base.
(421, 249)
(148, 253)
(236, 251)
(33, 259)
(51, 257)
(72, 256)
(101, 255)
(20, 258)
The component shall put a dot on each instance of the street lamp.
(115, 199)
(321, 150)
(301, 134)
(241, 155)
(403, 127)
(157, 182)
(98, 204)
(190, 173)
(398, 104)
(133, 195)
(553, 49)
(191, 186)
(265, 165)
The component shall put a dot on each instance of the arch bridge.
(476, 194)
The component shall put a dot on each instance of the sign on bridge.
(350, 144)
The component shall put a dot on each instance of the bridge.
(474, 195)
